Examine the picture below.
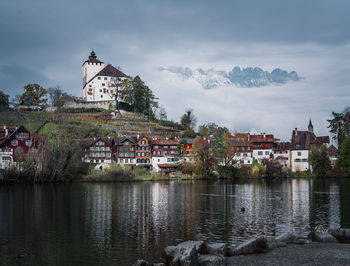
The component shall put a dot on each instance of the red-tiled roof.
(332, 150)
(165, 142)
(263, 138)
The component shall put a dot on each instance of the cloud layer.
(245, 77)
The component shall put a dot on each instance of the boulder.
(322, 237)
(217, 249)
(186, 256)
(287, 237)
(212, 260)
(255, 245)
(341, 234)
(141, 263)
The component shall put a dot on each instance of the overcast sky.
(46, 42)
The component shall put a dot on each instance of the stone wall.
(100, 104)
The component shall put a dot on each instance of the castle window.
(98, 77)
(103, 84)
(90, 85)
(101, 96)
(105, 78)
(100, 90)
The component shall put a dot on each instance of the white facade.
(126, 161)
(283, 157)
(6, 158)
(162, 160)
(299, 160)
(100, 88)
(243, 158)
(90, 69)
(260, 154)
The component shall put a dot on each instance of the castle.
(100, 82)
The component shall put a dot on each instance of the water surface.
(114, 224)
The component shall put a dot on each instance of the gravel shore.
(309, 254)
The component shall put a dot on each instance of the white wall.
(265, 154)
(6, 159)
(247, 160)
(90, 70)
(161, 160)
(303, 157)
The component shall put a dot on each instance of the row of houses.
(163, 154)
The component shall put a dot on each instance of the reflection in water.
(114, 224)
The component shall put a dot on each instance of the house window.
(120, 160)
(267, 153)
(126, 148)
(143, 142)
(299, 153)
(121, 148)
(126, 160)
(260, 153)
(108, 155)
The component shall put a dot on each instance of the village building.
(17, 143)
(98, 150)
(262, 146)
(281, 153)
(143, 152)
(242, 148)
(333, 154)
(300, 147)
(187, 150)
(100, 82)
(125, 150)
(164, 155)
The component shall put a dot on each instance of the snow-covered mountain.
(240, 77)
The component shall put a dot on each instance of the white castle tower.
(100, 82)
(91, 67)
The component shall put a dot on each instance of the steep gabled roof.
(165, 142)
(109, 71)
(93, 58)
(263, 138)
(302, 140)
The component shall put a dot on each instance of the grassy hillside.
(81, 125)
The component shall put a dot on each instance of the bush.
(114, 173)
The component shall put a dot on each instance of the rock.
(217, 249)
(212, 260)
(201, 246)
(287, 237)
(341, 234)
(322, 237)
(141, 263)
(186, 256)
(159, 264)
(168, 254)
(276, 244)
(255, 245)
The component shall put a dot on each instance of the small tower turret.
(310, 127)
(91, 67)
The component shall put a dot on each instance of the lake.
(115, 224)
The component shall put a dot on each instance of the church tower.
(310, 127)
(91, 67)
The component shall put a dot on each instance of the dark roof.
(93, 58)
(282, 146)
(109, 71)
(89, 141)
(302, 140)
(332, 150)
(263, 138)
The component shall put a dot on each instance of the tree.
(36, 92)
(162, 113)
(203, 157)
(4, 101)
(188, 120)
(16, 100)
(203, 131)
(319, 159)
(55, 95)
(343, 161)
(140, 97)
(224, 153)
(339, 125)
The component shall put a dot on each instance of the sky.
(46, 42)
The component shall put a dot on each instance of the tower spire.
(310, 127)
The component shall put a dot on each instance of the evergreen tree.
(339, 125)
(188, 120)
(343, 161)
(319, 159)
(4, 101)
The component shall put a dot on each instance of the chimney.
(296, 132)
(6, 131)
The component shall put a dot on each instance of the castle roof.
(93, 58)
(302, 140)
